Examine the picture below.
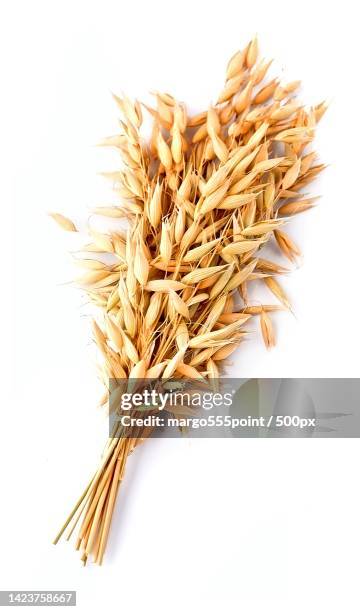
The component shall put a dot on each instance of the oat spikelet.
(267, 330)
(64, 222)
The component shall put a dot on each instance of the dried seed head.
(164, 152)
(291, 175)
(180, 224)
(141, 264)
(129, 348)
(252, 53)
(235, 64)
(239, 248)
(155, 210)
(164, 286)
(176, 145)
(243, 99)
(174, 362)
(221, 282)
(201, 274)
(241, 276)
(231, 88)
(287, 245)
(213, 122)
(153, 310)
(277, 290)
(293, 208)
(213, 200)
(63, 222)
(165, 243)
(179, 304)
(199, 252)
(260, 71)
(114, 333)
(182, 336)
(266, 92)
(267, 330)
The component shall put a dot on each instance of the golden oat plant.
(200, 199)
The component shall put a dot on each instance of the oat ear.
(63, 222)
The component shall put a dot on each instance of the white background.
(225, 524)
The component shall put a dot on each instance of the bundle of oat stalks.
(201, 200)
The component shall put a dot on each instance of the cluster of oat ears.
(201, 200)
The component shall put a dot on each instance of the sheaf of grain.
(200, 200)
